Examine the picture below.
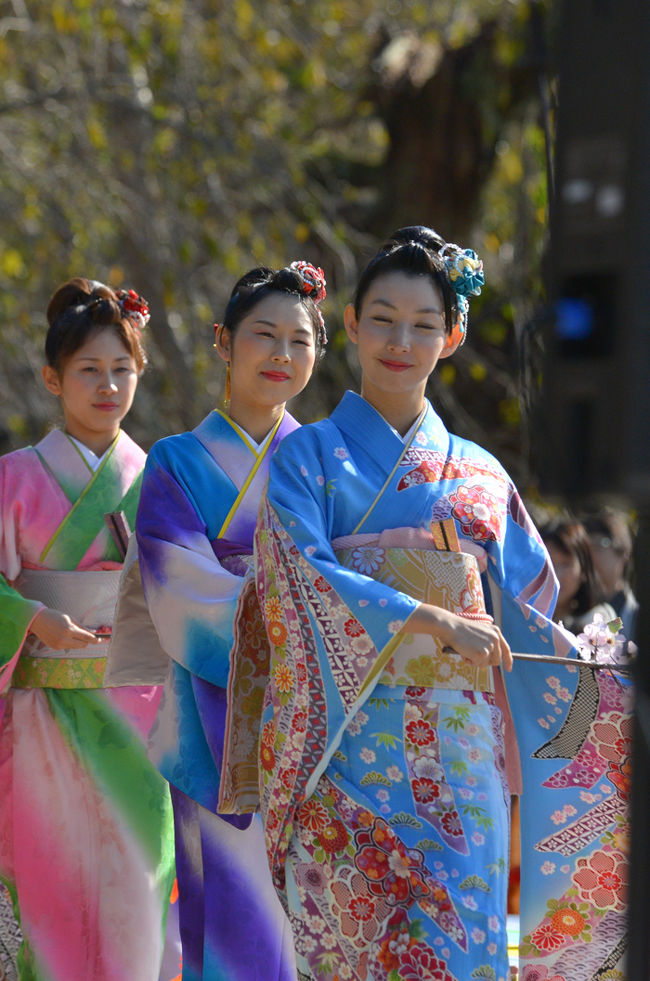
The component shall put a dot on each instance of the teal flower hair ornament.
(465, 269)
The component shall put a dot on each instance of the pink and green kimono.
(86, 843)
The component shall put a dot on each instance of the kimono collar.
(357, 418)
(217, 429)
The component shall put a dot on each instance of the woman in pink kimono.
(86, 845)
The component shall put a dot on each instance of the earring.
(226, 394)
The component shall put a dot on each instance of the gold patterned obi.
(89, 599)
(450, 580)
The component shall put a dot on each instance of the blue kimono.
(382, 775)
(195, 524)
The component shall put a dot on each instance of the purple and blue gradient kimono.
(195, 526)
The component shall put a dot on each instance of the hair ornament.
(465, 269)
(314, 278)
(135, 308)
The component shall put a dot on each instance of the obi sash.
(450, 580)
(447, 579)
(89, 599)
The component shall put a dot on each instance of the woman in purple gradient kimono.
(195, 525)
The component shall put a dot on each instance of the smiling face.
(400, 336)
(271, 357)
(96, 386)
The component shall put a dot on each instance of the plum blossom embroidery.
(602, 879)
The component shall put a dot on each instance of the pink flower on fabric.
(341, 453)
(311, 877)
(539, 972)
(602, 879)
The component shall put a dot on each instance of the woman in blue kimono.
(199, 502)
(383, 781)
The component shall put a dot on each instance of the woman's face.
(271, 354)
(96, 386)
(568, 571)
(399, 333)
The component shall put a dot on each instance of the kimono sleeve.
(523, 566)
(190, 596)
(301, 497)
(16, 612)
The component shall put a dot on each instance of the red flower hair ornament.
(135, 307)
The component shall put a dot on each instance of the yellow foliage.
(447, 373)
(97, 134)
(12, 264)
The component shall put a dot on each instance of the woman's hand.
(57, 631)
(478, 641)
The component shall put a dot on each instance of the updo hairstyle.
(81, 308)
(252, 287)
(413, 250)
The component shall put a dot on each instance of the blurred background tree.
(169, 145)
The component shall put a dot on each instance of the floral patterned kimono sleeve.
(574, 729)
(313, 608)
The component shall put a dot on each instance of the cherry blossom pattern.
(602, 878)
(359, 912)
(539, 972)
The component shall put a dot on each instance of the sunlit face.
(96, 386)
(400, 335)
(271, 354)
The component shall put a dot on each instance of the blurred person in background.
(581, 593)
(610, 541)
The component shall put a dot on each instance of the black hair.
(258, 283)
(413, 250)
(80, 308)
(571, 537)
